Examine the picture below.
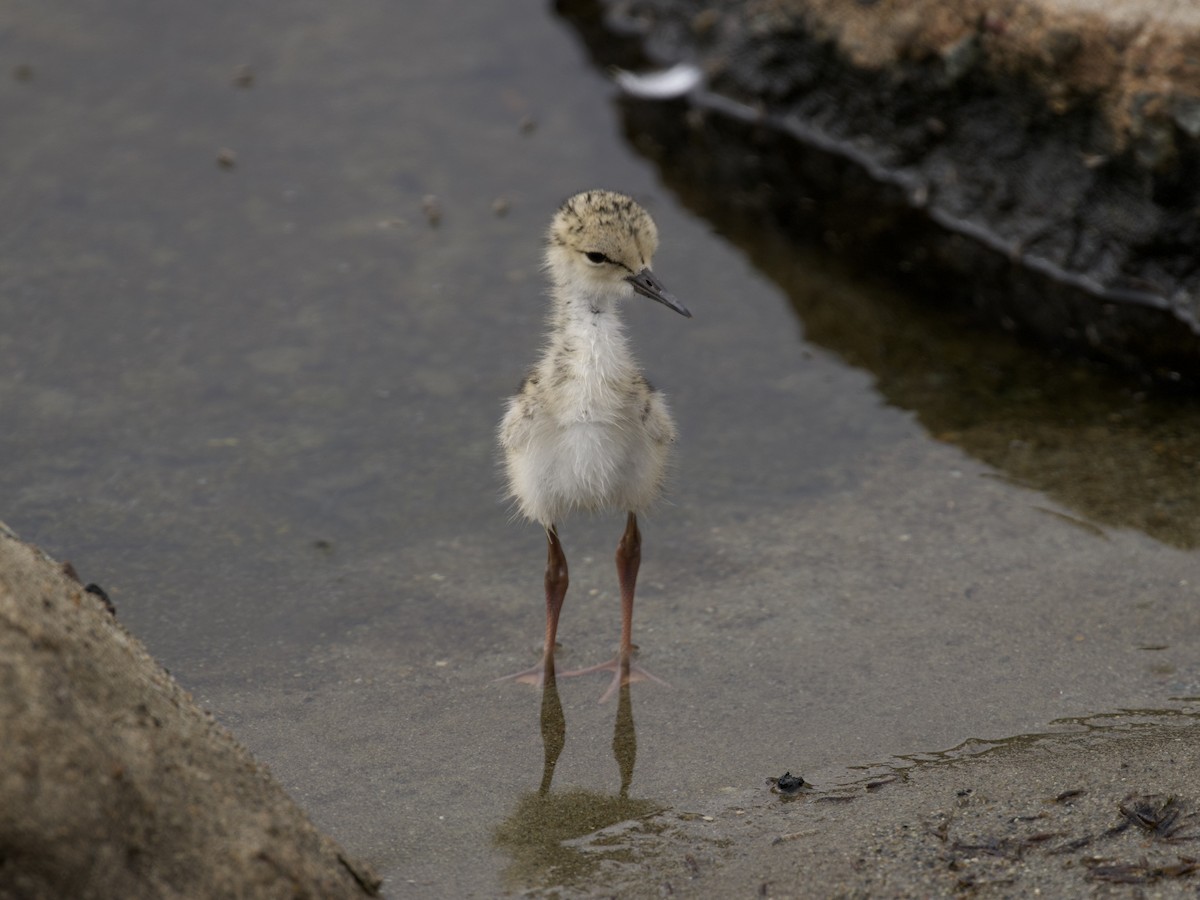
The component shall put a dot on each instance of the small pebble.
(226, 158)
(98, 591)
(789, 783)
(432, 210)
(243, 76)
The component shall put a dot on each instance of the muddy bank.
(1035, 161)
(1094, 813)
(1092, 804)
(113, 783)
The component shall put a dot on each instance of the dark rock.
(1056, 193)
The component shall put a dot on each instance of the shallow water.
(257, 405)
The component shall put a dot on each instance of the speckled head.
(602, 242)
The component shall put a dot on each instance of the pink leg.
(624, 669)
(556, 591)
(629, 560)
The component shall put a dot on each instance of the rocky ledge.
(1036, 159)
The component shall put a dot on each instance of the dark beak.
(647, 285)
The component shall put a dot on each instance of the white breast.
(581, 437)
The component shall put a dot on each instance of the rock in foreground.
(113, 783)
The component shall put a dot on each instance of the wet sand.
(1102, 812)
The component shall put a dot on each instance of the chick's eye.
(596, 257)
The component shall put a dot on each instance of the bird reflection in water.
(543, 832)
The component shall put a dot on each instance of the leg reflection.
(555, 838)
(554, 727)
(624, 742)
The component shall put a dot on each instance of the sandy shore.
(1087, 814)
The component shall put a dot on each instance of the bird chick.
(586, 430)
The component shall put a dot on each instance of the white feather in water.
(673, 82)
